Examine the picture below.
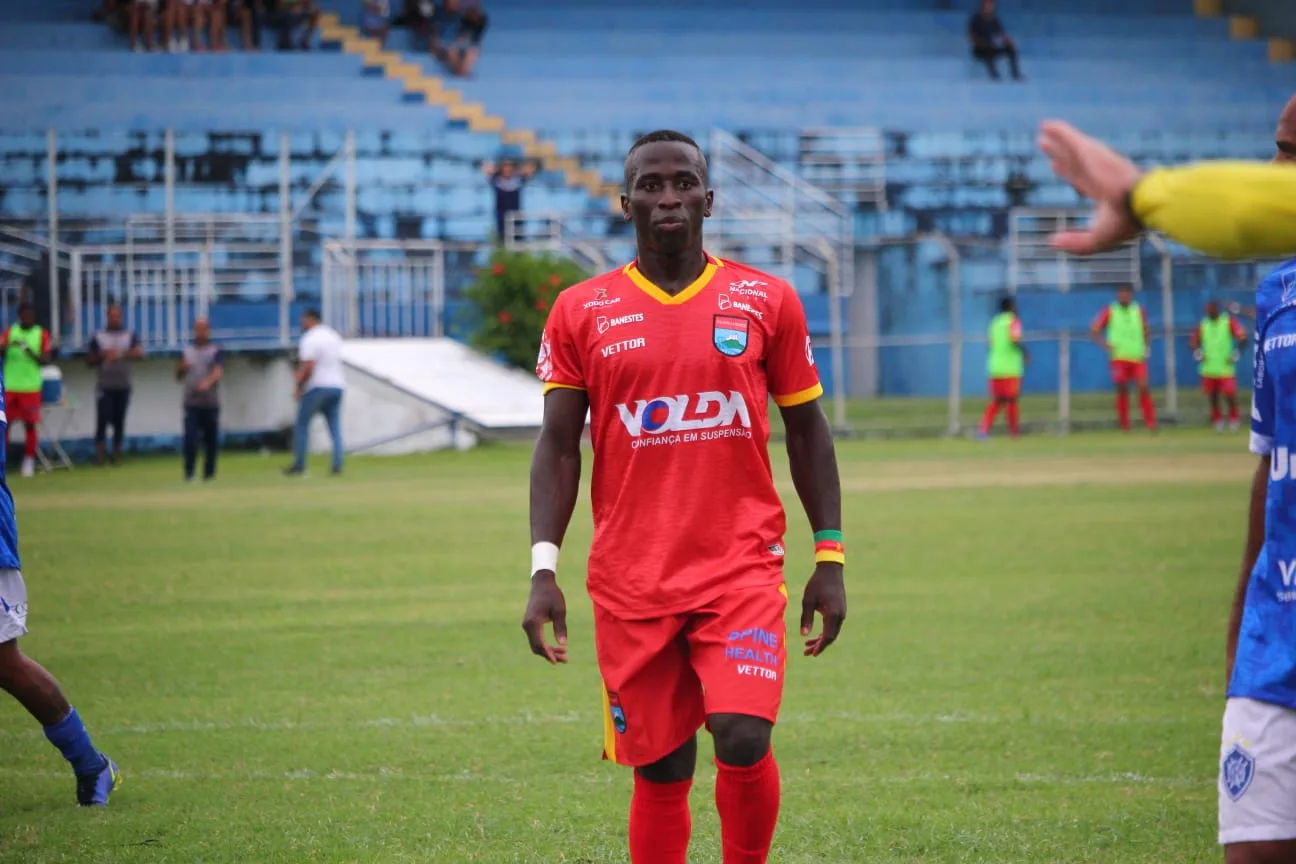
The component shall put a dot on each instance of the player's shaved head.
(1212, 309)
(661, 136)
(1285, 138)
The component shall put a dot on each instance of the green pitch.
(333, 669)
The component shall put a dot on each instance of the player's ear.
(710, 199)
(625, 206)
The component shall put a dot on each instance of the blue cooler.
(51, 385)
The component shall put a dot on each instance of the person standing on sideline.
(26, 348)
(1005, 364)
(1122, 330)
(201, 368)
(1217, 344)
(111, 351)
(320, 382)
(27, 681)
(507, 181)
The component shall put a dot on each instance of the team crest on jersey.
(618, 716)
(544, 360)
(1237, 770)
(1288, 286)
(729, 334)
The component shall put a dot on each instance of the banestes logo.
(666, 415)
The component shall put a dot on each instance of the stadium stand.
(572, 83)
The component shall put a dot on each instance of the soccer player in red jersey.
(1122, 329)
(676, 356)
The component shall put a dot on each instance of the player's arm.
(1098, 329)
(216, 374)
(555, 484)
(1017, 340)
(1254, 543)
(813, 461)
(136, 350)
(94, 353)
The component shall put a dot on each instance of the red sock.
(748, 801)
(988, 418)
(30, 449)
(660, 823)
(1122, 409)
(1233, 413)
(1014, 419)
(1149, 410)
(1215, 414)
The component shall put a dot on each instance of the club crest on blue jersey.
(1237, 770)
(1288, 286)
(729, 334)
(618, 716)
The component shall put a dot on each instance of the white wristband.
(544, 556)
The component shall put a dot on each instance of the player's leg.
(1012, 393)
(1228, 386)
(38, 692)
(211, 440)
(31, 415)
(191, 433)
(102, 405)
(1146, 405)
(1120, 379)
(332, 409)
(991, 409)
(652, 710)
(1257, 783)
(738, 647)
(121, 402)
(1210, 386)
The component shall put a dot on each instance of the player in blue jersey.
(26, 680)
(1257, 784)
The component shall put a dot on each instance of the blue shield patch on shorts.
(1237, 770)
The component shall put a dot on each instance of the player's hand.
(546, 605)
(1197, 355)
(1235, 356)
(1099, 173)
(825, 593)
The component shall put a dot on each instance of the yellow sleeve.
(1225, 209)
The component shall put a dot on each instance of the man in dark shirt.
(507, 181)
(990, 41)
(111, 351)
(201, 367)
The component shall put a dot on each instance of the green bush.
(513, 295)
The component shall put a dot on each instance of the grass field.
(332, 669)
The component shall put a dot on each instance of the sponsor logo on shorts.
(1237, 770)
(17, 610)
(618, 715)
(757, 649)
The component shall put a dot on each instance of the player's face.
(1212, 310)
(27, 317)
(202, 330)
(114, 317)
(667, 197)
(1124, 296)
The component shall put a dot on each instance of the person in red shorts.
(675, 356)
(1217, 344)
(1122, 329)
(26, 348)
(1005, 365)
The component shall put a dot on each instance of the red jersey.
(684, 502)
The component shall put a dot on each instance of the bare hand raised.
(1099, 173)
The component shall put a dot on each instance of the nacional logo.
(729, 334)
(683, 419)
(605, 323)
(618, 715)
(749, 288)
(1237, 770)
(600, 299)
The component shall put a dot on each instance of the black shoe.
(294, 471)
(336, 472)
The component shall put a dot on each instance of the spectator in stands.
(298, 20)
(419, 17)
(250, 15)
(201, 367)
(218, 23)
(375, 20)
(111, 351)
(507, 181)
(990, 41)
(320, 384)
(468, 25)
(26, 348)
(143, 17)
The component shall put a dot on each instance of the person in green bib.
(26, 348)
(1122, 330)
(1005, 364)
(1217, 344)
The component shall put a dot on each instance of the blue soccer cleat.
(93, 789)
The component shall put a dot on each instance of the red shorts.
(663, 676)
(1219, 386)
(1005, 388)
(23, 407)
(1127, 371)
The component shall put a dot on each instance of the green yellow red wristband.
(829, 547)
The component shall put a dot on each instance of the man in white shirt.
(320, 382)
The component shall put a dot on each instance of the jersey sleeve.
(1238, 332)
(309, 351)
(45, 342)
(1262, 404)
(559, 363)
(1016, 330)
(1225, 209)
(789, 359)
(1102, 319)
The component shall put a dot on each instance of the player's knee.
(674, 768)
(740, 740)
